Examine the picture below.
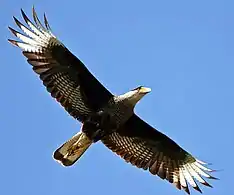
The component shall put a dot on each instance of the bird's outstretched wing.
(145, 147)
(63, 74)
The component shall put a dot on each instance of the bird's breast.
(119, 111)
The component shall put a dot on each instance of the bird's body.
(105, 117)
(120, 109)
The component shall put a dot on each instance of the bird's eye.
(137, 88)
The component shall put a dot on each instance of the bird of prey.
(104, 116)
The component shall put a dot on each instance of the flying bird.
(104, 116)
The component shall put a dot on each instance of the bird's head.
(136, 94)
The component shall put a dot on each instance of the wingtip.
(33, 8)
(215, 178)
(34, 13)
(12, 31)
(202, 162)
(186, 189)
(46, 23)
(216, 170)
(22, 12)
(13, 42)
(16, 20)
(24, 15)
(207, 184)
(198, 189)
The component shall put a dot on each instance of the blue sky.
(183, 50)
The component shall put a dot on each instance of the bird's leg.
(98, 125)
(107, 125)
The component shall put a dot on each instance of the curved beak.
(145, 90)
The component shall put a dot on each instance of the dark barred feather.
(147, 148)
(65, 76)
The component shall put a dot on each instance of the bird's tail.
(68, 153)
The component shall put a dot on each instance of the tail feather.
(68, 153)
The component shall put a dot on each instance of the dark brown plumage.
(63, 74)
(68, 80)
(145, 147)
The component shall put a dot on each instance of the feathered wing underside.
(146, 148)
(64, 75)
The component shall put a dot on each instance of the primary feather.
(64, 75)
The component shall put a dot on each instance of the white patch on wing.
(27, 40)
(188, 176)
(202, 167)
(199, 171)
(182, 179)
(33, 27)
(195, 174)
(30, 48)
